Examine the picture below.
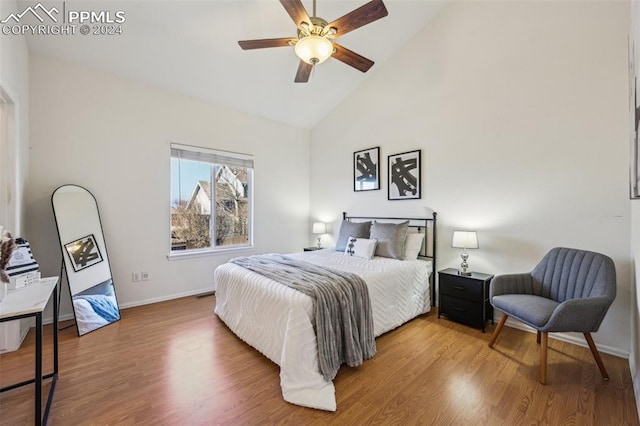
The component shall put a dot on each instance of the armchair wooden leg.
(543, 357)
(498, 329)
(596, 355)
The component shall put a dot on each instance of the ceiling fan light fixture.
(314, 49)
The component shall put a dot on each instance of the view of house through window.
(210, 199)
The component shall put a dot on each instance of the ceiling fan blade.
(266, 42)
(351, 58)
(304, 71)
(296, 10)
(357, 18)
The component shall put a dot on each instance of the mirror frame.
(86, 262)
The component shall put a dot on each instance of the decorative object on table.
(464, 240)
(570, 290)
(84, 258)
(22, 269)
(634, 99)
(404, 176)
(319, 228)
(7, 245)
(366, 169)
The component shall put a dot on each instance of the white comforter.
(277, 320)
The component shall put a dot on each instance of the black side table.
(465, 298)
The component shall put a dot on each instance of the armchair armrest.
(579, 315)
(511, 284)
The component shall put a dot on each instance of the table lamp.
(319, 228)
(464, 240)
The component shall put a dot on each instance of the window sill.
(178, 255)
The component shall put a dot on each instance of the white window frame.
(221, 158)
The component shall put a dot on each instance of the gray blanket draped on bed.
(343, 318)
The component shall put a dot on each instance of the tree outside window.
(210, 199)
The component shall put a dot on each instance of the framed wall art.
(366, 169)
(404, 176)
(83, 252)
(634, 100)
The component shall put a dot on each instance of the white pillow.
(360, 247)
(412, 246)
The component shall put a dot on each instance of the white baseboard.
(165, 298)
(570, 338)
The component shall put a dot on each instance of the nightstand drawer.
(462, 287)
(461, 310)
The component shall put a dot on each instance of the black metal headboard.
(422, 224)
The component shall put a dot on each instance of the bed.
(278, 320)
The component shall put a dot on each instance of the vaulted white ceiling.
(191, 47)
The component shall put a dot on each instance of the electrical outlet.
(135, 276)
(144, 275)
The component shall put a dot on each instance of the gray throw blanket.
(343, 318)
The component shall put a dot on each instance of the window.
(211, 194)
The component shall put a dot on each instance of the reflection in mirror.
(95, 307)
(84, 258)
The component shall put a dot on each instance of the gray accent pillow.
(351, 229)
(390, 238)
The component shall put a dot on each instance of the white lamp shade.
(314, 49)
(319, 228)
(465, 240)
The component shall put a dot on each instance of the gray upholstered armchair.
(569, 290)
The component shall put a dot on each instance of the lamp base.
(464, 265)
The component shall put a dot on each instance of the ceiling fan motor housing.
(312, 45)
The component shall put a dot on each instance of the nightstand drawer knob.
(457, 287)
(459, 309)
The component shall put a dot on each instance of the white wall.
(112, 137)
(14, 142)
(521, 112)
(14, 81)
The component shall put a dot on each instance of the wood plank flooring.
(176, 363)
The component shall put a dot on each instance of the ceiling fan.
(314, 43)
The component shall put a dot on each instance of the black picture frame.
(366, 170)
(83, 252)
(405, 176)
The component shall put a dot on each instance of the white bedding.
(277, 320)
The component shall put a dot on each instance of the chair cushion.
(534, 311)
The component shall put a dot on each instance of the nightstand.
(312, 248)
(465, 298)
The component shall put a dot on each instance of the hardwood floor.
(176, 363)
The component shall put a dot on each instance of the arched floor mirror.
(84, 258)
